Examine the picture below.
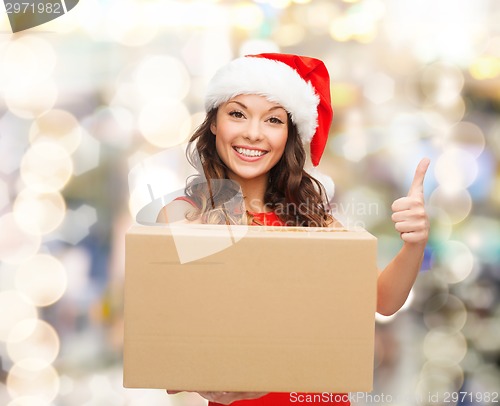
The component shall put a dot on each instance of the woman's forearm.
(396, 280)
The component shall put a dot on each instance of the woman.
(261, 111)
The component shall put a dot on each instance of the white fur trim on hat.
(275, 80)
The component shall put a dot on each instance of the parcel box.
(212, 308)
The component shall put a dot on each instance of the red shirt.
(283, 399)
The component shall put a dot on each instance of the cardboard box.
(260, 309)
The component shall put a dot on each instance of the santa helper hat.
(298, 83)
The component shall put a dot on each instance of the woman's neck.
(254, 191)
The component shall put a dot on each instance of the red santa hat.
(298, 83)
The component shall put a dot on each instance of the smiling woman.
(261, 112)
(250, 137)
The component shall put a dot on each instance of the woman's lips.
(249, 154)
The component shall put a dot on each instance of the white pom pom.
(325, 180)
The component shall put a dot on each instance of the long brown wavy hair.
(296, 197)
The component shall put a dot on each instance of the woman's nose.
(253, 130)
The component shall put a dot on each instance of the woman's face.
(250, 136)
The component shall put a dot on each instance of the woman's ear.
(213, 127)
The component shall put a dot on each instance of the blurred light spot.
(441, 225)
(46, 167)
(15, 309)
(486, 340)
(39, 213)
(165, 122)
(455, 169)
(45, 55)
(453, 112)
(256, 46)
(246, 16)
(375, 9)
(197, 14)
(358, 23)
(87, 155)
(76, 225)
(58, 126)
(457, 261)
(495, 189)
(140, 195)
(279, 3)
(30, 400)
(472, 360)
(456, 204)
(379, 88)
(91, 18)
(66, 385)
(42, 279)
(438, 379)
(427, 286)
(485, 67)
(432, 384)
(112, 125)
(481, 297)
(487, 377)
(302, 1)
(162, 76)
(126, 95)
(453, 372)
(197, 119)
(344, 95)
(15, 244)
(12, 146)
(439, 124)
(481, 234)
(287, 35)
(450, 312)
(469, 137)
(103, 392)
(31, 377)
(360, 207)
(18, 67)
(34, 339)
(445, 347)
(356, 141)
(340, 29)
(317, 16)
(493, 46)
(79, 261)
(130, 23)
(442, 83)
(33, 100)
(4, 195)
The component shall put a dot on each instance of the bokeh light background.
(86, 97)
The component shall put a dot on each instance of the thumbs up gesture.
(409, 216)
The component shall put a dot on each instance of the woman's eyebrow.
(237, 102)
(276, 107)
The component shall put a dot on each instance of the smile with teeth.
(249, 152)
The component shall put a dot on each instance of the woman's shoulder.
(176, 210)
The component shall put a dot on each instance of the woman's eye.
(275, 120)
(236, 114)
